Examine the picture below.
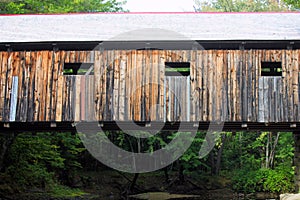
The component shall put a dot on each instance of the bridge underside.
(147, 126)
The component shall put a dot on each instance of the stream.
(166, 196)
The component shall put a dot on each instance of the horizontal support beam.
(132, 45)
(146, 126)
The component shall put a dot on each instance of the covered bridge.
(151, 68)
(240, 68)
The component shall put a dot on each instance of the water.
(165, 196)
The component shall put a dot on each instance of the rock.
(263, 195)
(290, 197)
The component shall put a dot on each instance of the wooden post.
(297, 160)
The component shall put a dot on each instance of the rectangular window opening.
(78, 69)
(271, 69)
(177, 68)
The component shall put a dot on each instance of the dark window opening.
(78, 69)
(177, 68)
(271, 69)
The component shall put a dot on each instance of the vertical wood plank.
(147, 83)
(210, 79)
(158, 62)
(8, 78)
(49, 86)
(110, 80)
(83, 88)
(14, 97)
(60, 87)
(229, 86)
(35, 80)
(116, 86)
(122, 86)
(128, 86)
(193, 85)
(261, 113)
(198, 88)
(43, 89)
(289, 65)
(98, 73)
(234, 84)
(295, 88)
(32, 87)
(2, 84)
(219, 84)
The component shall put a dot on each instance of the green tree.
(59, 6)
(30, 158)
(240, 5)
(260, 161)
(293, 3)
(39, 160)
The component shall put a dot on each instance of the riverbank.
(110, 184)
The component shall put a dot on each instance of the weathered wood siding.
(131, 85)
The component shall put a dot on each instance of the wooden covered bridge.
(242, 69)
(168, 68)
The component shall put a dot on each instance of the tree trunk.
(297, 161)
(166, 174)
(133, 182)
(272, 154)
(270, 149)
(181, 175)
(219, 156)
(267, 165)
(212, 162)
(6, 140)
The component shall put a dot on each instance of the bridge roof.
(149, 26)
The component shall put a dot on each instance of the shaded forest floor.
(110, 184)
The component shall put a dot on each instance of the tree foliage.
(293, 3)
(46, 160)
(36, 160)
(59, 6)
(242, 5)
(248, 156)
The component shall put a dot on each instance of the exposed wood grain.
(60, 87)
(2, 84)
(234, 85)
(205, 87)
(244, 85)
(122, 86)
(109, 86)
(116, 86)
(131, 85)
(129, 82)
(98, 70)
(32, 87)
(48, 83)
(54, 82)
(239, 65)
(219, 84)
(8, 78)
(193, 84)
(13, 100)
(158, 62)
(35, 91)
(289, 60)
(224, 97)
(295, 88)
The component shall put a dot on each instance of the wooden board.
(131, 85)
